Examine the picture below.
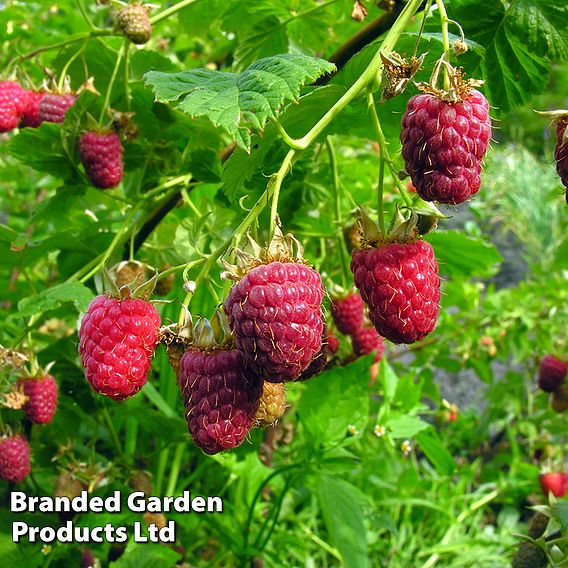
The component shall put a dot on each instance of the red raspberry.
(42, 398)
(552, 373)
(366, 341)
(53, 107)
(561, 152)
(275, 314)
(101, 155)
(443, 144)
(221, 397)
(554, 482)
(347, 313)
(116, 341)
(14, 458)
(332, 343)
(400, 284)
(13, 100)
(30, 114)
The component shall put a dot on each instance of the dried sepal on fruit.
(445, 135)
(274, 309)
(397, 276)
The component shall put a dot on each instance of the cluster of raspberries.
(41, 393)
(100, 151)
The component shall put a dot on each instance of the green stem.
(127, 76)
(380, 195)
(179, 268)
(383, 149)
(162, 462)
(80, 37)
(113, 79)
(85, 15)
(372, 74)
(275, 516)
(284, 168)
(257, 497)
(131, 436)
(107, 254)
(445, 35)
(68, 64)
(171, 11)
(174, 471)
(112, 431)
(338, 220)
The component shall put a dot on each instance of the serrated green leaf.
(520, 38)
(41, 149)
(268, 37)
(54, 297)
(241, 103)
(343, 517)
(482, 259)
(334, 400)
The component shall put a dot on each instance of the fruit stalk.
(174, 471)
(171, 11)
(444, 24)
(385, 156)
(337, 202)
(371, 75)
(119, 57)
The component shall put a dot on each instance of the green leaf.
(268, 37)
(239, 103)
(560, 513)
(334, 400)
(405, 426)
(41, 149)
(339, 502)
(459, 255)
(146, 555)
(54, 297)
(389, 378)
(520, 38)
(434, 450)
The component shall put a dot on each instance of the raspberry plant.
(193, 192)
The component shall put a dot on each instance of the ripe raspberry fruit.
(271, 405)
(116, 341)
(274, 310)
(220, 395)
(101, 155)
(14, 458)
(30, 113)
(400, 284)
(552, 373)
(332, 343)
(554, 482)
(13, 100)
(134, 23)
(54, 107)
(561, 150)
(367, 340)
(348, 313)
(42, 398)
(444, 139)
